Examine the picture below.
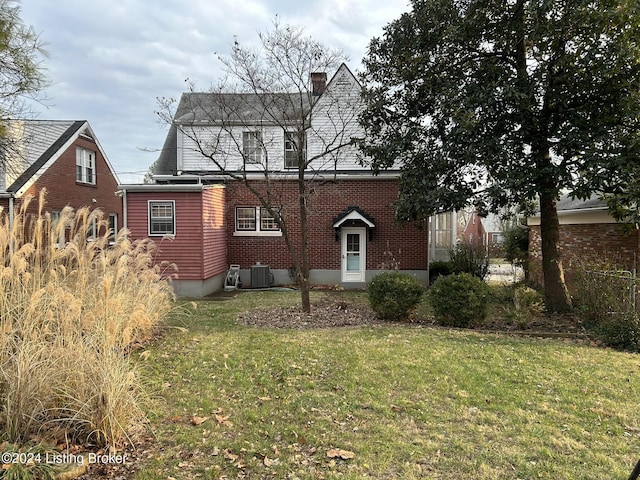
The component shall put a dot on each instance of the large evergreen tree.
(502, 102)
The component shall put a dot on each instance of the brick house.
(63, 157)
(205, 218)
(483, 230)
(588, 234)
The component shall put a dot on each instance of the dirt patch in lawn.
(325, 313)
(331, 312)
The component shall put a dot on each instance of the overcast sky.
(110, 59)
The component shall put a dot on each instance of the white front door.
(354, 254)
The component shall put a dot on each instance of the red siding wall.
(408, 244)
(198, 248)
(214, 232)
(62, 189)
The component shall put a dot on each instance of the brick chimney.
(318, 83)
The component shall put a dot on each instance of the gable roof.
(44, 141)
(242, 108)
(210, 108)
(353, 213)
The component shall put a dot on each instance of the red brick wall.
(474, 231)
(587, 243)
(375, 197)
(62, 189)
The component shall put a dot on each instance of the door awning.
(354, 217)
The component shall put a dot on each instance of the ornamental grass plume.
(73, 303)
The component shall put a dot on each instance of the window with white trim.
(268, 222)
(162, 218)
(113, 227)
(92, 230)
(255, 221)
(443, 232)
(85, 166)
(56, 216)
(292, 147)
(252, 146)
(245, 219)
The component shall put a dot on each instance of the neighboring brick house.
(483, 230)
(588, 234)
(353, 234)
(63, 157)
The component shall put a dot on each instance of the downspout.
(124, 209)
(11, 212)
(11, 220)
(123, 194)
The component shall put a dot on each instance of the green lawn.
(409, 402)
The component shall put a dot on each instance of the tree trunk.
(556, 295)
(304, 247)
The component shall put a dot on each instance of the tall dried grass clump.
(71, 308)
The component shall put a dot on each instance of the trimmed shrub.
(458, 300)
(392, 295)
(439, 269)
(470, 258)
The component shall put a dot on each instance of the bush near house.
(470, 258)
(392, 295)
(439, 269)
(71, 308)
(458, 300)
(605, 297)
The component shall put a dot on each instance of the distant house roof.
(491, 223)
(41, 142)
(566, 203)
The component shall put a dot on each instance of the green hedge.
(458, 300)
(392, 295)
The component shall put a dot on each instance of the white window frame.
(258, 230)
(113, 225)
(161, 219)
(252, 146)
(443, 224)
(85, 166)
(291, 149)
(55, 216)
(242, 222)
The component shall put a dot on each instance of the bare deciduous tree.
(270, 121)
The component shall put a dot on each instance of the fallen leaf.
(230, 456)
(339, 453)
(195, 420)
(269, 462)
(145, 355)
(215, 452)
(224, 420)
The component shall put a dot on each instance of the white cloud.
(109, 60)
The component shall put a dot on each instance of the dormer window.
(85, 166)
